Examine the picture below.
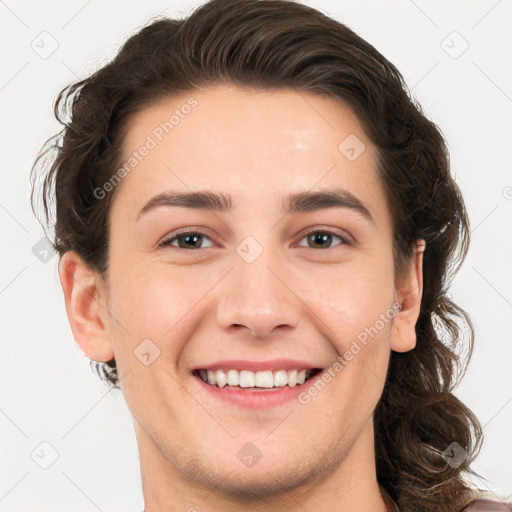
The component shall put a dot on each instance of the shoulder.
(487, 505)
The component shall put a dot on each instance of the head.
(276, 266)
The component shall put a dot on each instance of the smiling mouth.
(256, 381)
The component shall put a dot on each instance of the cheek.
(354, 301)
(154, 314)
(157, 303)
(356, 318)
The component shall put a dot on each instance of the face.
(271, 278)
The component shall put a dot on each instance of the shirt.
(477, 505)
(484, 505)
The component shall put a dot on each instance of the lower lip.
(256, 399)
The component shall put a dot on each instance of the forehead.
(254, 144)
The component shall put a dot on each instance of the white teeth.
(248, 379)
(292, 378)
(221, 378)
(280, 378)
(301, 377)
(233, 378)
(264, 380)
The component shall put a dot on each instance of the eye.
(190, 240)
(322, 239)
(186, 240)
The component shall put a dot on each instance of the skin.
(294, 301)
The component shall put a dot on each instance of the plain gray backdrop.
(68, 444)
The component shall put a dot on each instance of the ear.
(408, 293)
(84, 295)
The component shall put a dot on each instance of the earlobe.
(83, 295)
(409, 294)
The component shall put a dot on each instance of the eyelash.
(168, 242)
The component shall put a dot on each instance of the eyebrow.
(300, 202)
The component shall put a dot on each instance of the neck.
(348, 484)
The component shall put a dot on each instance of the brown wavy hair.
(272, 44)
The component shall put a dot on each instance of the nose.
(258, 297)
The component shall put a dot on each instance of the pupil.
(319, 238)
(188, 239)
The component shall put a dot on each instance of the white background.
(48, 392)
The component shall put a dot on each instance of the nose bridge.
(256, 294)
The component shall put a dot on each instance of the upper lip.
(252, 365)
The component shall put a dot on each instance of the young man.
(255, 224)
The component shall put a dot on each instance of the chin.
(260, 486)
(265, 480)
